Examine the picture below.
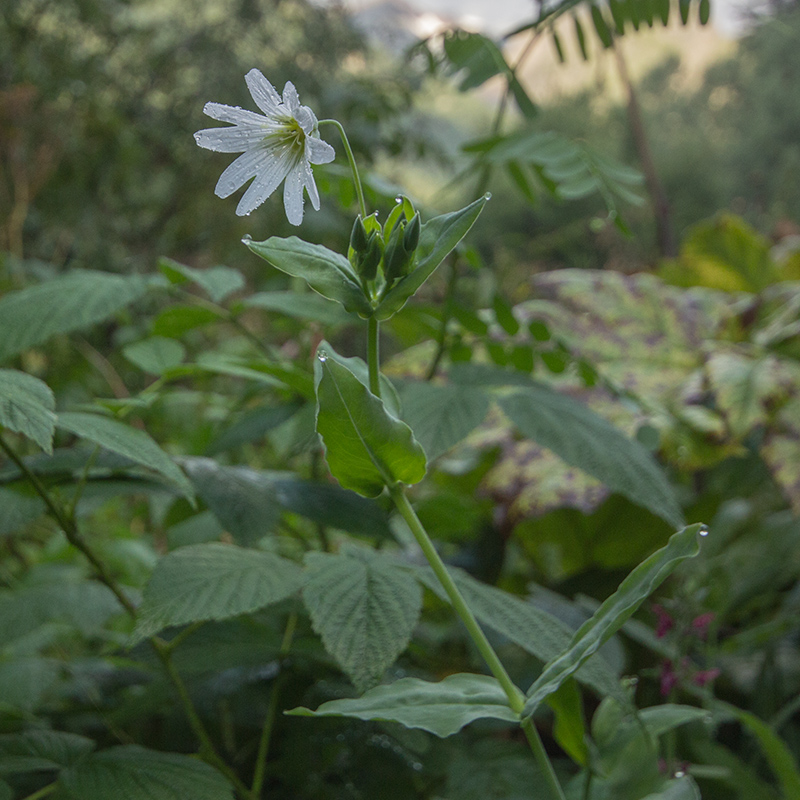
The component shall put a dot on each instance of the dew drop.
(399, 199)
(680, 773)
(487, 196)
(322, 356)
(704, 531)
(247, 238)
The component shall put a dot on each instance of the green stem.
(353, 167)
(373, 355)
(516, 700)
(43, 792)
(272, 711)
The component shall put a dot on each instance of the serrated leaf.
(442, 708)
(366, 447)
(364, 607)
(614, 612)
(216, 282)
(62, 305)
(131, 772)
(326, 272)
(242, 499)
(437, 238)
(36, 751)
(155, 355)
(126, 441)
(585, 440)
(213, 582)
(534, 630)
(27, 406)
(441, 416)
(308, 305)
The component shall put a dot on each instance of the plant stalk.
(352, 160)
(373, 355)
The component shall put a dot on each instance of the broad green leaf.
(326, 272)
(534, 630)
(614, 612)
(308, 305)
(213, 581)
(366, 447)
(24, 681)
(39, 750)
(131, 772)
(216, 282)
(441, 416)
(569, 729)
(364, 607)
(331, 505)
(437, 238)
(442, 708)
(20, 508)
(62, 305)
(174, 321)
(27, 406)
(585, 440)
(126, 441)
(242, 499)
(155, 355)
(252, 427)
(683, 788)
(238, 368)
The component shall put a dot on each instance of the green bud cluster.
(365, 250)
(400, 248)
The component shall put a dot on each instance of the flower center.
(288, 134)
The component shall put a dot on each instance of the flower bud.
(358, 236)
(368, 265)
(411, 234)
(395, 258)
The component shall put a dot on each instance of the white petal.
(311, 187)
(293, 195)
(319, 151)
(267, 181)
(234, 114)
(263, 92)
(290, 98)
(230, 140)
(240, 171)
(305, 118)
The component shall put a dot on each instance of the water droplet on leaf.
(322, 356)
(704, 531)
(680, 773)
(247, 238)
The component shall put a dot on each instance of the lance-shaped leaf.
(326, 272)
(213, 582)
(366, 447)
(129, 442)
(131, 772)
(442, 708)
(65, 304)
(585, 440)
(365, 608)
(437, 238)
(614, 612)
(27, 406)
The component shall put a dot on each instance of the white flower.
(281, 144)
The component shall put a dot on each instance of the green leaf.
(242, 499)
(129, 442)
(305, 306)
(778, 754)
(216, 282)
(27, 406)
(677, 789)
(364, 607)
(478, 56)
(252, 427)
(213, 581)
(614, 612)
(24, 682)
(19, 509)
(131, 772)
(62, 305)
(441, 416)
(601, 26)
(587, 441)
(326, 272)
(534, 630)
(174, 321)
(442, 708)
(437, 238)
(39, 750)
(366, 447)
(155, 355)
(569, 729)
